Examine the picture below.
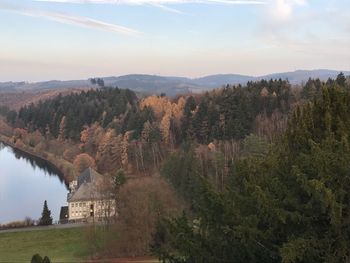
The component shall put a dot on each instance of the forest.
(253, 173)
(290, 204)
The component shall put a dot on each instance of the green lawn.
(60, 245)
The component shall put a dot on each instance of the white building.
(90, 198)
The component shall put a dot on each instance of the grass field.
(60, 245)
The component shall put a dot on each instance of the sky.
(78, 39)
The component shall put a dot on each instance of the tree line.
(263, 167)
(65, 116)
(290, 204)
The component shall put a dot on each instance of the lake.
(25, 183)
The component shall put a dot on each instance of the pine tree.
(36, 259)
(46, 218)
(341, 80)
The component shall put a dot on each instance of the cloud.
(169, 9)
(159, 2)
(283, 9)
(296, 26)
(71, 20)
(162, 4)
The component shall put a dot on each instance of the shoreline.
(7, 142)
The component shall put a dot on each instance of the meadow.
(60, 245)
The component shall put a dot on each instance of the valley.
(174, 161)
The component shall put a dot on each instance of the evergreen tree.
(290, 206)
(46, 218)
(100, 82)
(341, 80)
(64, 117)
(36, 259)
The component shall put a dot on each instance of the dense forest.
(262, 169)
(290, 204)
(118, 130)
(224, 114)
(70, 113)
(229, 113)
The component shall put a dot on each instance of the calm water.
(25, 182)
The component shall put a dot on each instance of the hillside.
(152, 84)
(16, 100)
(241, 161)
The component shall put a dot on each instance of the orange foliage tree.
(83, 161)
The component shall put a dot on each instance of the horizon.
(76, 39)
(175, 76)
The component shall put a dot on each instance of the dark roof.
(88, 176)
(87, 191)
(64, 212)
(88, 187)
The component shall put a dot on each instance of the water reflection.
(25, 182)
(36, 162)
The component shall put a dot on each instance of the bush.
(17, 224)
(142, 202)
(36, 259)
(46, 260)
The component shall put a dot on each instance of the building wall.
(81, 210)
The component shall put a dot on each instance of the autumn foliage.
(83, 161)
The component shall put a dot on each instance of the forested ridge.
(229, 113)
(118, 130)
(263, 168)
(290, 204)
(74, 111)
(224, 114)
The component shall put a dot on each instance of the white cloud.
(71, 20)
(298, 28)
(169, 9)
(158, 2)
(283, 9)
(162, 4)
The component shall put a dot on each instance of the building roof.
(88, 176)
(90, 187)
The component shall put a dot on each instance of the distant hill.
(152, 84)
(299, 76)
(16, 100)
(294, 77)
(222, 79)
(44, 85)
